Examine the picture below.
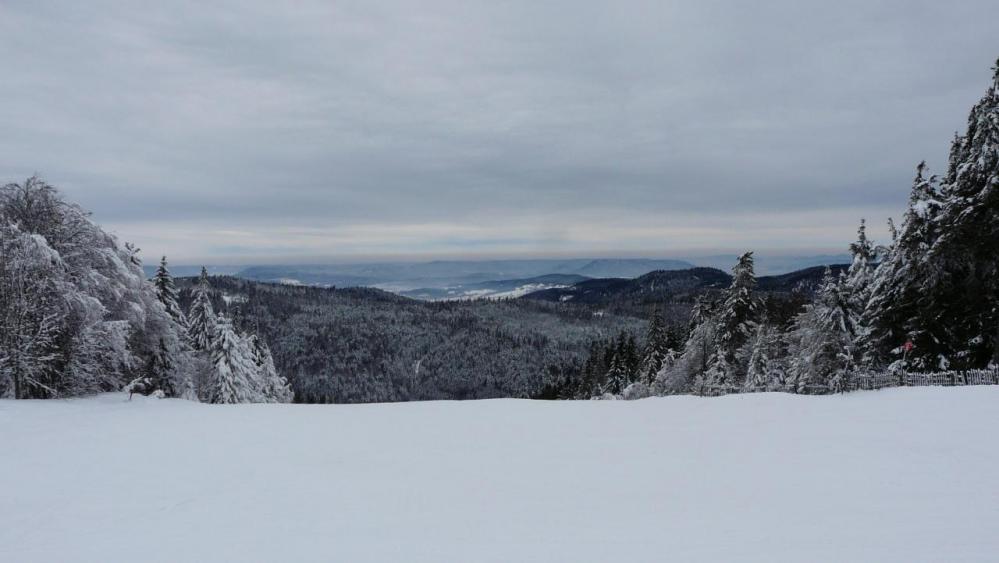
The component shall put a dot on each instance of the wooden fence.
(911, 379)
(881, 380)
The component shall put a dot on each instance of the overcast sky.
(259, 131)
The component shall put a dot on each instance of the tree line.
(78, 316)
(928, 300)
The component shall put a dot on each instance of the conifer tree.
(656, 347)
(820, 346)
(272, 387)
(961, 291)
(617, 376)
(765, 366)
(855, 290)
(166, 292)
(686, 373)
(202, 321)
(895, 314)
(736, 321)
(233, 371)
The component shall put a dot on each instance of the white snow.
(519, 291)
(237, 298)
(904, 475)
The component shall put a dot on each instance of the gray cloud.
(367, 128)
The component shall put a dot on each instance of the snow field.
(903, 475)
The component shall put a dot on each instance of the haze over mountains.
(467, 279)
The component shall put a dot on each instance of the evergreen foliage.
(166, 292)
(233, 370)
(202, 320)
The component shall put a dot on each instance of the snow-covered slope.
(897, 475)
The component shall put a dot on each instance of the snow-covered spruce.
(202, 320)
(939, 286)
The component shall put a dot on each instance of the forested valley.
(78, 316)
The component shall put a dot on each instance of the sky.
(255, 131)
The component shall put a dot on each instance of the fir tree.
(272, 387)
(961, 290)
(686, 373)
(202, 321)
(656, 347)
(855, 290)
(233, 371)
(166, 292)
(617, 376)
(766, 369)
(736, 321)
(820, 344)
(895, 313)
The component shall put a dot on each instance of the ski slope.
(903, 475)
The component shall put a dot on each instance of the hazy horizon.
(151, 261)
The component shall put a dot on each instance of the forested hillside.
(364, 345)
(77, 315)
(928, 299)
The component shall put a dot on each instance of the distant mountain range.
(771, 264)
(680, 285)
(408, 276)
(466, 279)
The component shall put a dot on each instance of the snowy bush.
(636, 390)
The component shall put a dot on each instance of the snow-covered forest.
(365, 345)
(925, 300)
(77, 316)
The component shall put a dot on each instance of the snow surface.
(895, 475)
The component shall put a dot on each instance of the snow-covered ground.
(898, 475)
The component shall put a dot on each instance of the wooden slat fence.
(916, 379)
(882, 380)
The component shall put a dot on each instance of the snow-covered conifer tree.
(166, 292)
(656, 347)
(617, 376)
(820, 344)
(202, 321)
(681, 375)
(895, 312)
(272, 387)
(961, 291)
(855, 290)
(766, 364)
(233, 371)
(736, 322)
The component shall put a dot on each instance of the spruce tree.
(961, 292)
(166, 292)
(233, 372)
(820, 346)
(895, 313)
(202, 321)
(272, 387)
(765, 363)
(736, 321)
(656, 347)
(617, 376)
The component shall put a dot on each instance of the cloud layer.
(246, 130)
